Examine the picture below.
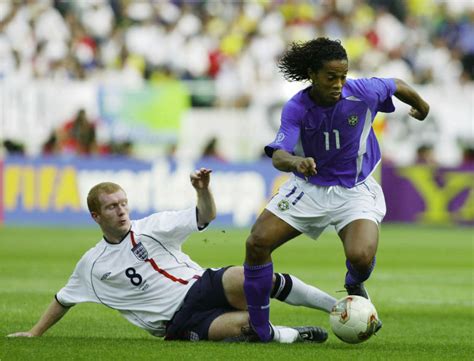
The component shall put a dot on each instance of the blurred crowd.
(74, 137)
(226, 51)
(78, 136)
(234, 44)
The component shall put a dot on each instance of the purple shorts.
(204, 302)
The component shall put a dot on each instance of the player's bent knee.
(228, 325)
(361, 258)
(257, 247)
(233, 280)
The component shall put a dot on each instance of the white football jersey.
(145, 277)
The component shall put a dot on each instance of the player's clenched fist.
(306, 166)
(421, 112)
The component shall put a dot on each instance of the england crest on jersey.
(353, 120)
(140, 251)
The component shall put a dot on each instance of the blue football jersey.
(340, 138)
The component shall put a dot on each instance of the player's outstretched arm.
(206, 205)
(287, 162)
(53, 314)
(405, 93)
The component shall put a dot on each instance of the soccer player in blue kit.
(326, 140)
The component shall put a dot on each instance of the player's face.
(114, 218)
(328, 82)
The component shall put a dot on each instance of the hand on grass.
(21, 334)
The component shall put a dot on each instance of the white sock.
(302, 294)
(284, 334)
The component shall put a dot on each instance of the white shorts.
(310, 208)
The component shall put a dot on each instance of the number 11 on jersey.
(326, 139)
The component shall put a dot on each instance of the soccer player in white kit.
(138, 268)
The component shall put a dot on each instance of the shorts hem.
(204, 302)
(341, 225)
(290, 221)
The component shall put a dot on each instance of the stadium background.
(161, 81)
(174, 85)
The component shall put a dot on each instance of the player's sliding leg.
(284, 334)
(290, 289)
(228, 326)
(286, 288)
(234, 327)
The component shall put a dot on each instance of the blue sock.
(257, 288)
(354, 277)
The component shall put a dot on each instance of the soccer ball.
(353, 319)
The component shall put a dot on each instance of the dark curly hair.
(300, 57)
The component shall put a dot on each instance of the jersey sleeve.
(379, 92)
(78, 288)
(289, 132)
(169, 227)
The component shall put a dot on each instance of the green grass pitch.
(422, 288)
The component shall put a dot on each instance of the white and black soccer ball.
(353, 319)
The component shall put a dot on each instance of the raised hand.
(200, 178)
